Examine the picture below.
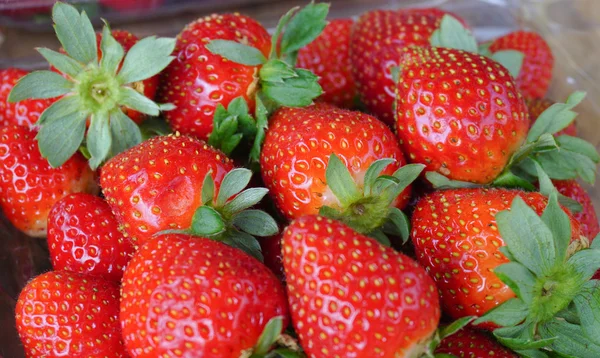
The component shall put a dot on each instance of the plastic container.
(572, 28)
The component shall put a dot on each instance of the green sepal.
(244, 242)
(61, 62)
(297, 91)
(231, 125)
(439, 181)
(306, 25)
(570, 340)
(75, 33)
(256, 223)
(380, 237)
(560, 226)
(547, 188)
(153, 127)
(512, 60)
(125, 133)
(444, 332)
(207, 222)
(99, 139)
(146, 58)
(397, 224)
(453, 34)
(245, 200)
(340, 181)
(283, 22)
(373, 173)
(587, 303)
(269, 336)
(556, 117)
(233, 182)
(112, 51)
(131, 98)
(585, 263)
(237, 52)
(508, 179)
(29, 86)
(66, 106)
(518, 277)
(405, 175)
(208, 189)
(521, 337)
(510, 313)
(60, 138)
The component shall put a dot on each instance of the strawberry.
(177, 182)
(328, 57)
(131, 5)
(301, 178)
(24, 113)
(537, 106)
(468, 123)
(536, 72)
(587, 216)
(378, 38)
(352, 297)
(66, 314)
(271, 250)
(83, 237)
(29, 187)
(200, 298)
(469, 343)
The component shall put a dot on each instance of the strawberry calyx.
(279, 83)
(228, 217)
(92, 90)
(368, 210)
(557, 305)
(273, 344)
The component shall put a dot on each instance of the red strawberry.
(271, 250)
(587, 217)
(198, 80)
(200, 298)
(468, 122)
(65, 314)
(378, 38)
(296, 154)
(30, 186)
(24, 113)
(457, 239)
(131, 5)
(83, 237)
(352, 297)
(537, 106)
(536, 72)
(328, 57)
(469, 343)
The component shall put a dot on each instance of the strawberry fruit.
(469, 343)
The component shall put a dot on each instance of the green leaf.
(579, 145)
(395, 71)
(234, 182)
(380, 237)
(547, 188)
(329, 212)
(154, 126)
(585, 262)
(277, 71)
(570, 340)
(245, 200)
(518, 278)
(595, 242)
(61, 62)
(521, 337)
(75, 33)
(269, 335)
(455, 326)
(64, 107)
(99, 139)
(112, 52)
(207, 222)
(544, 143)
(131, 98)
(527, 237)
(208, 189)
(373, 172)
(510, 180)
(400, 221)
(146, 58)
(283, 21)
(40, 84)
(304, 27)
(452, 34)
(244, 242)
(340, 181)
(562, 165)
(382, 183)
(510, 313)
(298, 91)
(406, 175)
(556, 117)
(256, 223)
(262, 122)
(559, 224)
(125, 133)
(237, 52)
(587, 303)
(440, 181)
(512, 60)
(59, 139)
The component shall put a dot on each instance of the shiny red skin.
(84, 237)
(536, 73)
(587, 217)
(378, 38)
(537, 106)
(353, 297)
(464, 122)
(29, 186)
(328, 57)
(199, 297)
(66, 314)
(24, 113)
(197, 80)
(273, 256)
(297, 147)
(157, 185)
(456, 239)
(131, 5)
(469, 343)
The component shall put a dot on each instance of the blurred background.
(571, 27)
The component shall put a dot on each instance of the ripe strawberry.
(200, 298)
(24, 113)
(536, 71)
(587, 217)
(271, 249)
(457, 239)
(469, 343)
(131, 5)
(198, 80)
(328, 57)
(352, 297)
(66, 314)
(378, 38)
(29, 187)
(537, 106)
(468, 122)
(83, 237)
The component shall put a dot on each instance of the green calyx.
(557, 305)
(92, 90)
(272, 343)
(280, 83)
(369, 209)
(228, 217)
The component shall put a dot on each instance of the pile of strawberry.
(165, 244)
